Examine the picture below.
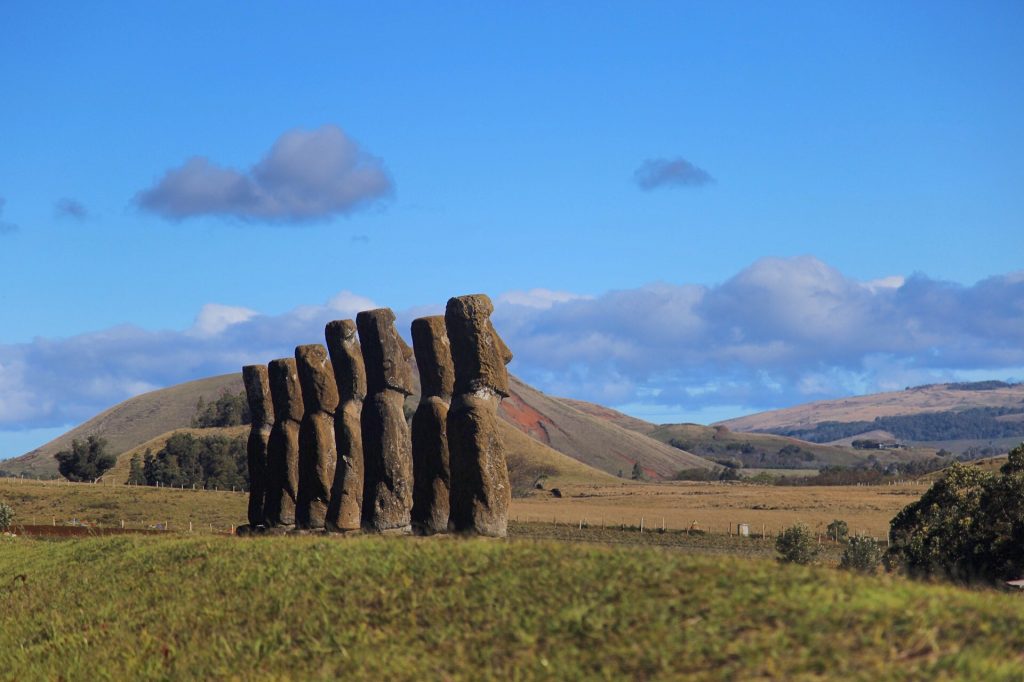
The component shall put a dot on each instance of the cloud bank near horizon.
(779, 332)
(306, 175)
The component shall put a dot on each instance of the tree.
(229, 409)
(6, 517)
(796, 545)
(838, 531)
(968, 526)
(86, 461)
(638, 472)
(862, 554)
(136, 473)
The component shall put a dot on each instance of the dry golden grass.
(714, 506)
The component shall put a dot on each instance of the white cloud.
(779, 332)
(213, 318)
(306, 175)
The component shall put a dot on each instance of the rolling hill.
(953, 416)
(561, 439)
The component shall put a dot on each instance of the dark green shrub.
(968, 526)
(796, 545)
(838, 531)
(86, 460)
(862, 554)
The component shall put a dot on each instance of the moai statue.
(344, 513)
(261, 409)
(283, 446)
(387, 448)
(431, 475)
(318, 454)
(480, 491)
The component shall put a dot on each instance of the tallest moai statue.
(480, 491)
(387, 447)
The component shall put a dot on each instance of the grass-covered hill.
(754, 449)
(960, 417)
(552, 425)
(442, 608)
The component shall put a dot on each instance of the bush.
(968, 526)
(862, 554)
(6, 517)
(229, 409)
(796, 545)
(838, 531)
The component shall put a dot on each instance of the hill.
(754, 450)
(946, 413)
(442, 608)
(549, 421)
(131, 422)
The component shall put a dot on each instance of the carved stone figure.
(318, 454)
(387, 448)
(344, 513)
(480, 491)
(283, 445)
(261, 409)
(431, 476)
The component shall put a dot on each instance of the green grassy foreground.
(402, 608)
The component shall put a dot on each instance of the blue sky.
(626, 180)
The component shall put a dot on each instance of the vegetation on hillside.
(397, 609)
(973, 423)
(968, 526)
(229, 409)
(86, 460)
(204, 462)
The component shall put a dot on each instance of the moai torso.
(387, 448)
(261, 409)
(283, 444)
(431, 473)
(480, 491)
(344, 513)
(317, 451)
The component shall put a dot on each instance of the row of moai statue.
(330, 448)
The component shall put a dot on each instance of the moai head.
(385, 354)
(284, 389)
(316, 377)
(478, 352)
(257, 393)
(347, 359)
(433, 357)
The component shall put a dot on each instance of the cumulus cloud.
(70, 208)
(655, 173)
(306, 175)
(5, 227)
(779, 332)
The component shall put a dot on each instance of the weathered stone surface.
(283, 444)
(431, 475)
(344, 513)
(317, 450)
(385, 355)
(387, 446)
(480, 490)
(261, 408)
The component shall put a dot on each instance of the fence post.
(641, 524)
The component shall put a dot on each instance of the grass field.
(714, 506)
(402, 608)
